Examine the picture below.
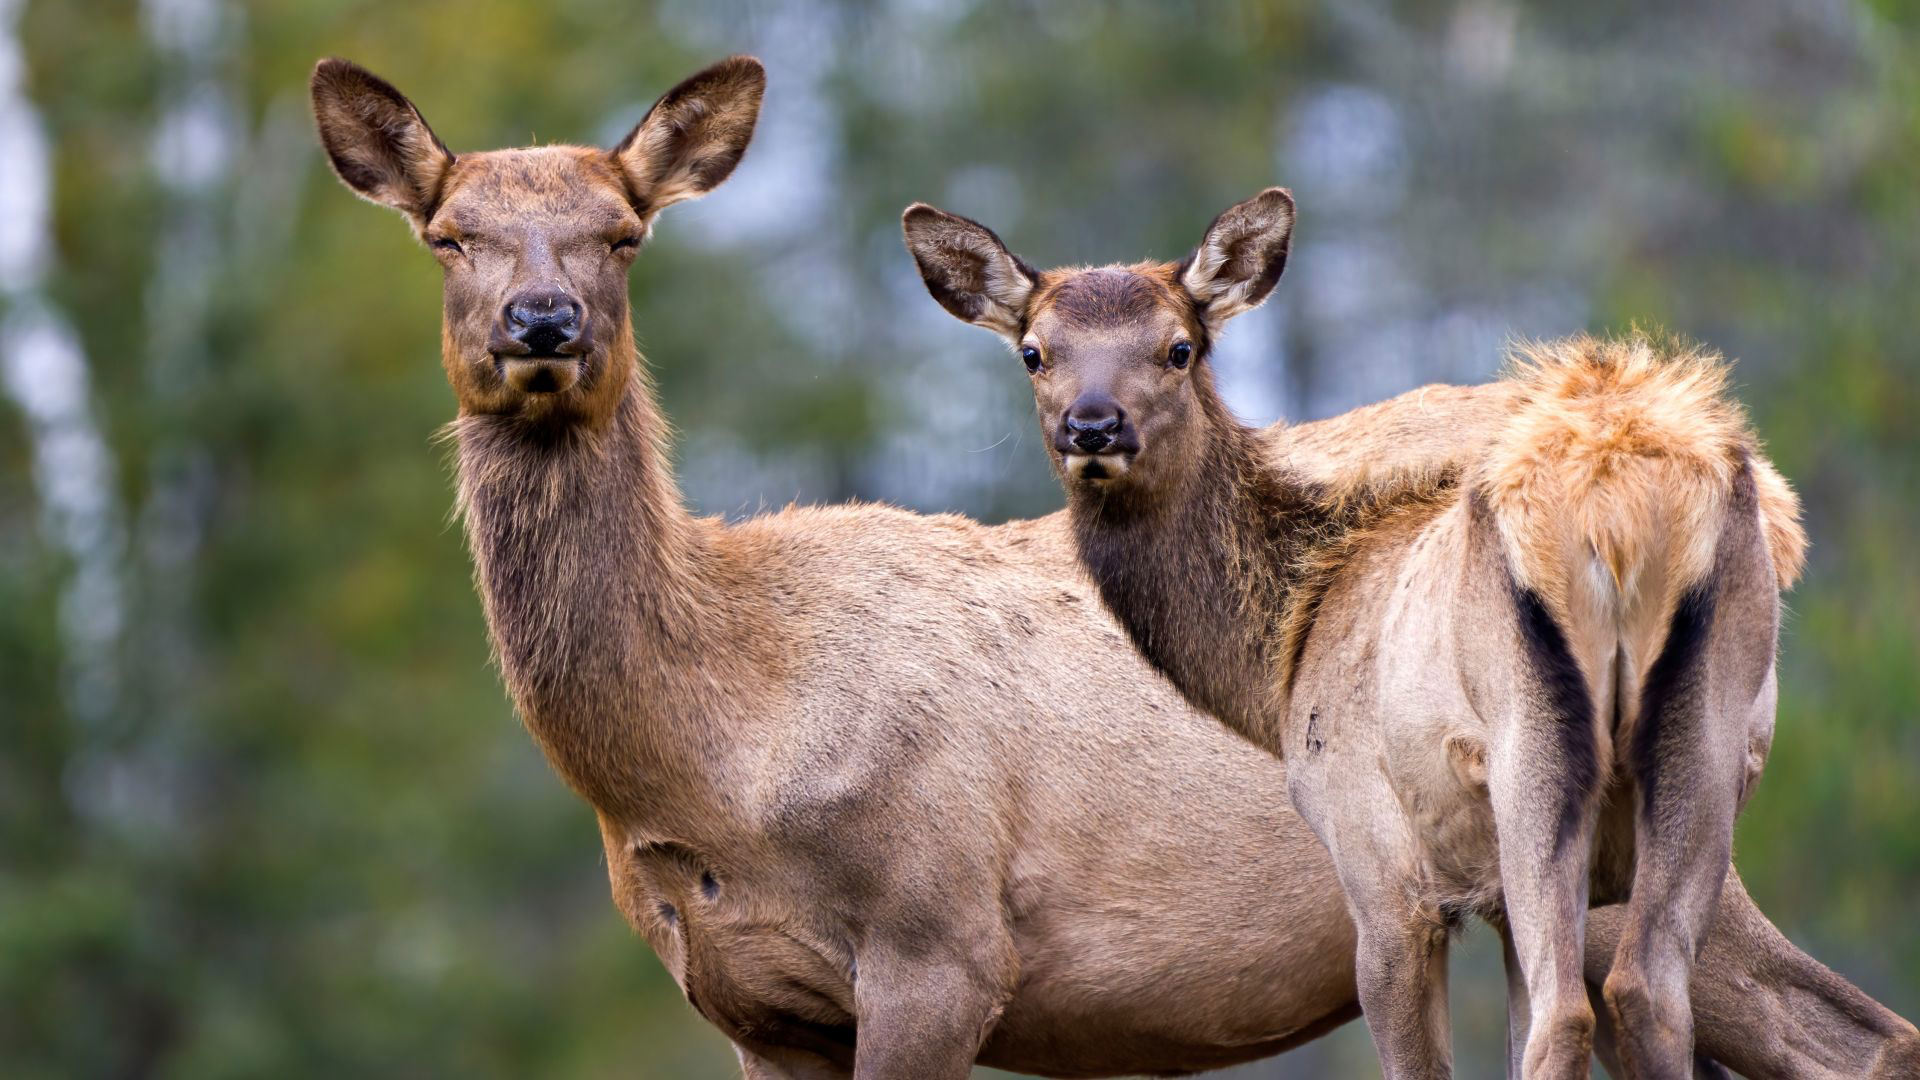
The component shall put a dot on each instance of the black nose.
(544, 320)
(1092, 424)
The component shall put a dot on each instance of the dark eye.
(446, 243)
(626, 243)
(1031, 356)
(1180, 354)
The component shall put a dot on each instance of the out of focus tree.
(264, 808)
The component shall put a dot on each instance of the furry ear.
(377, 142)
(1241, 257)
(694, 135)
(968, 270)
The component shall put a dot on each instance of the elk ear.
(377, 142)
(694, 135)
(968, 270)
(1241, 257)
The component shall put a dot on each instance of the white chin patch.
(1095, 467)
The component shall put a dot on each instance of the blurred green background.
(264, 809)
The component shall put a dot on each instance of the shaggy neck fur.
(620, 627)
(1200, 570)
(1217, 574)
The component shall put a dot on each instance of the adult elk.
(1541, 662)
(857, 771)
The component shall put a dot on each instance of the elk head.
(535, 243)
(1118, 355)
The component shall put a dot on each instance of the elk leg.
(1401, 965)
(1682, 855)
(1400, 959)
(1545, 825)
(1688, 762)
(1519, 1009)
(1606, 1047)
(782, 1065)
(1768, 1010)
(925, 1016)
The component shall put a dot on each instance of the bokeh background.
(264, 809)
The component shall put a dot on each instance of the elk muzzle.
(1092, 436)
(1094, 440)
(539, 343)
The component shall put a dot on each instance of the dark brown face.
(535, 243)
(535, 247)
(1117, 354)
(1111, 353)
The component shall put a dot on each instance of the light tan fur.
(1501, 676)
(1780, 515)
(1409, 433)
(1618, 448)
(1622, 453)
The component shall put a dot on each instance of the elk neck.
(1200, 570)
(627, 636)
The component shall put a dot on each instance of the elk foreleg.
(925, 1011)
(1401, 965)
(780, 1065)
(1400, 959)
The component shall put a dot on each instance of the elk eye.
(446, 243)
(1180, 354)
(626, 243)
(1031, 356)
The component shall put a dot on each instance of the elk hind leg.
(1768, 1010)
(1687, 756)
(1519, 1009)
(1542, 781)
(1545, 883)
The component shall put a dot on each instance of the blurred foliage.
(298, 832)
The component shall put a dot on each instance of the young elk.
(1497, 686)
(859, 774)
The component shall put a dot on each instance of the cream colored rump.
(1611, 480)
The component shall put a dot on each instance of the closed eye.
(626, 243)
(446, 243)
